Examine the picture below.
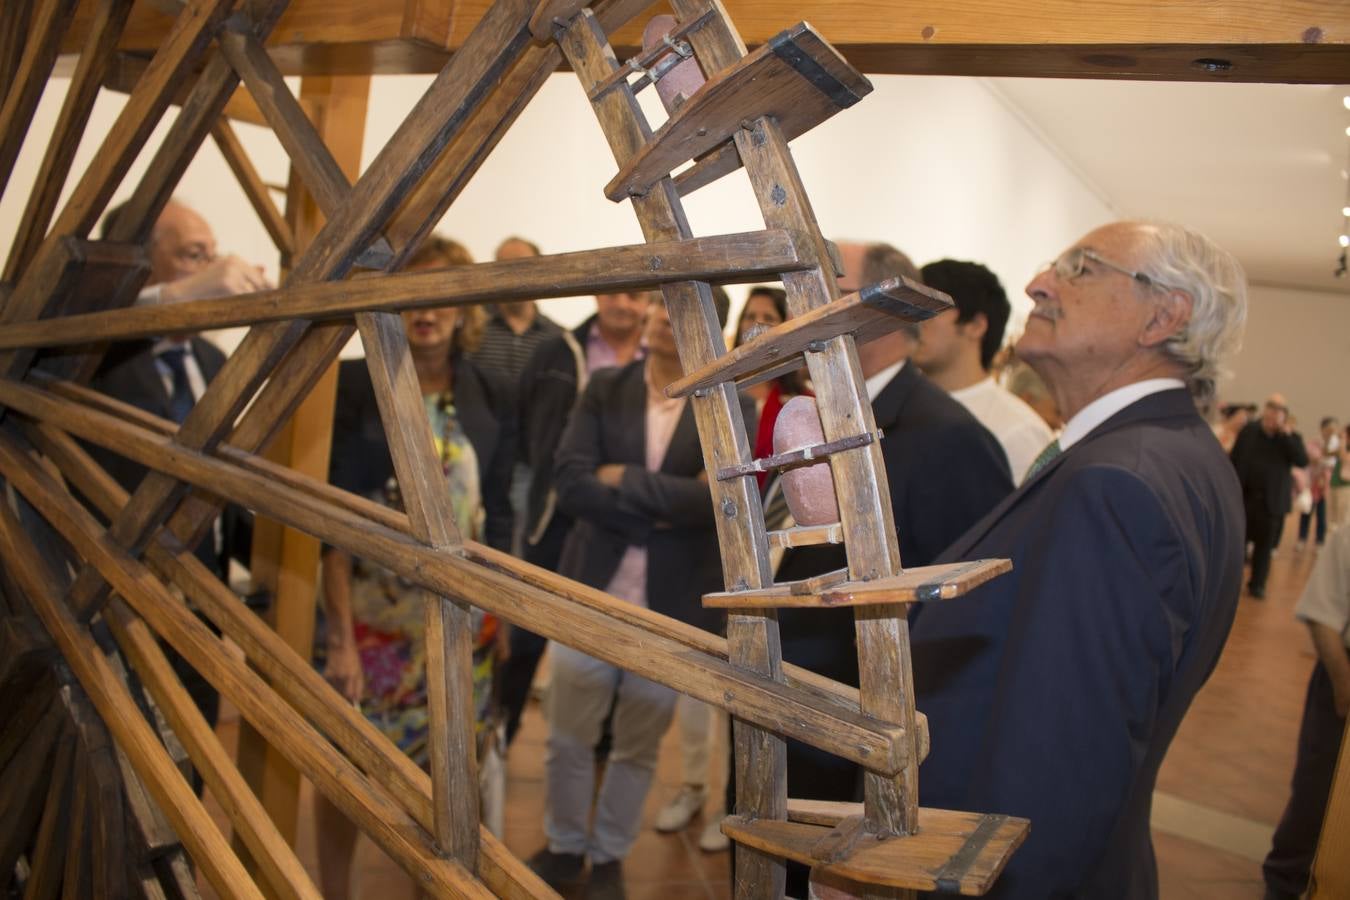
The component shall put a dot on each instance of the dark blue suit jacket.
(1053, 692)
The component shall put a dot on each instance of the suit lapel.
(475, 414)
(1163, 405)
(683, 444)
(149, 384)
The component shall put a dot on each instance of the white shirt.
(196, 381)
(1020, 431)
(877, 383)
(1107, 405)
(1326, 596)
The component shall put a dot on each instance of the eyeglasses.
(1074, 264)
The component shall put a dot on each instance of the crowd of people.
(1080, 453)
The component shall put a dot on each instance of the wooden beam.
(1303, 42)
(21, 100)
(729, 258)
(119, 711)
(608, 636)
(1331, 871)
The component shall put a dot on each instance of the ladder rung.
(793, 458)
(797, 78)
(644, 60)
(918, 585)
(958, 852)
(806, 536)
(866, 314)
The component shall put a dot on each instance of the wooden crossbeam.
(917, 585)
(50, 845)
(332, 773)
(118, 710)
(109, 19)
(753, 698)
(727, 258)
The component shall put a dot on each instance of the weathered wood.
(14, 19)
(151, 833)
(917, 585)
(875, 310)
(21, 100)
(956, 852)
(259, 197)
(448, 638)
(267, 848)
(118, 710)
(106, 28)
(796, 77)
(49, 847)
(725, 258)
(77, 874)
(764, 702)
(386, 823)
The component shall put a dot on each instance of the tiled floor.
(1221, 790)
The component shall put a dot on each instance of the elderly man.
(1052, 692)
(1265, 453)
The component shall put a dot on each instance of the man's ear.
(1170, 316)
(975, 327)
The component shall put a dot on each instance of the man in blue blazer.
(1053, 691)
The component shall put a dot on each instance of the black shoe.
(559, 870)
(1257, 591)
(606, 882)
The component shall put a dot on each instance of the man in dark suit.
(1052, 692)
(945, 470)
(166, 377)
(630, 472)
(1264, 455)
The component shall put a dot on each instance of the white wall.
(1297, 343)
(937, 166)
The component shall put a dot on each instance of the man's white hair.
(1179, 258)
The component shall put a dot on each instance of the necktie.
(1043, 459)
(180, 400)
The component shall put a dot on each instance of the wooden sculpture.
(91, 797)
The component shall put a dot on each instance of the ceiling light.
(1345, 240)
(1346, 101)
(1345, 211)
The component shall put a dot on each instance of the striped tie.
(1043, 459)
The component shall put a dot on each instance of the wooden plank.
(267, 848)
(449, 639)
(77, 873)
(792, 459)
(918, 585)
(21, 99)
(14, 20)
(741, 257)
(766, 703)
(44, 879)
(106, 28)
(796, 77)
(956, 852)
(119, 711)
(386, 823)
(875, 310)
(151, 832)
(259, 197)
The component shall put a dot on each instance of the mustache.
(1045, 311)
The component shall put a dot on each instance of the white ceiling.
(1260, 168)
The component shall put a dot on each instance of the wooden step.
(806, 536)
(956, 852)
(918, 585)
(869, 313)
(797, 78)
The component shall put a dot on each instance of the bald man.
(1264, 454)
